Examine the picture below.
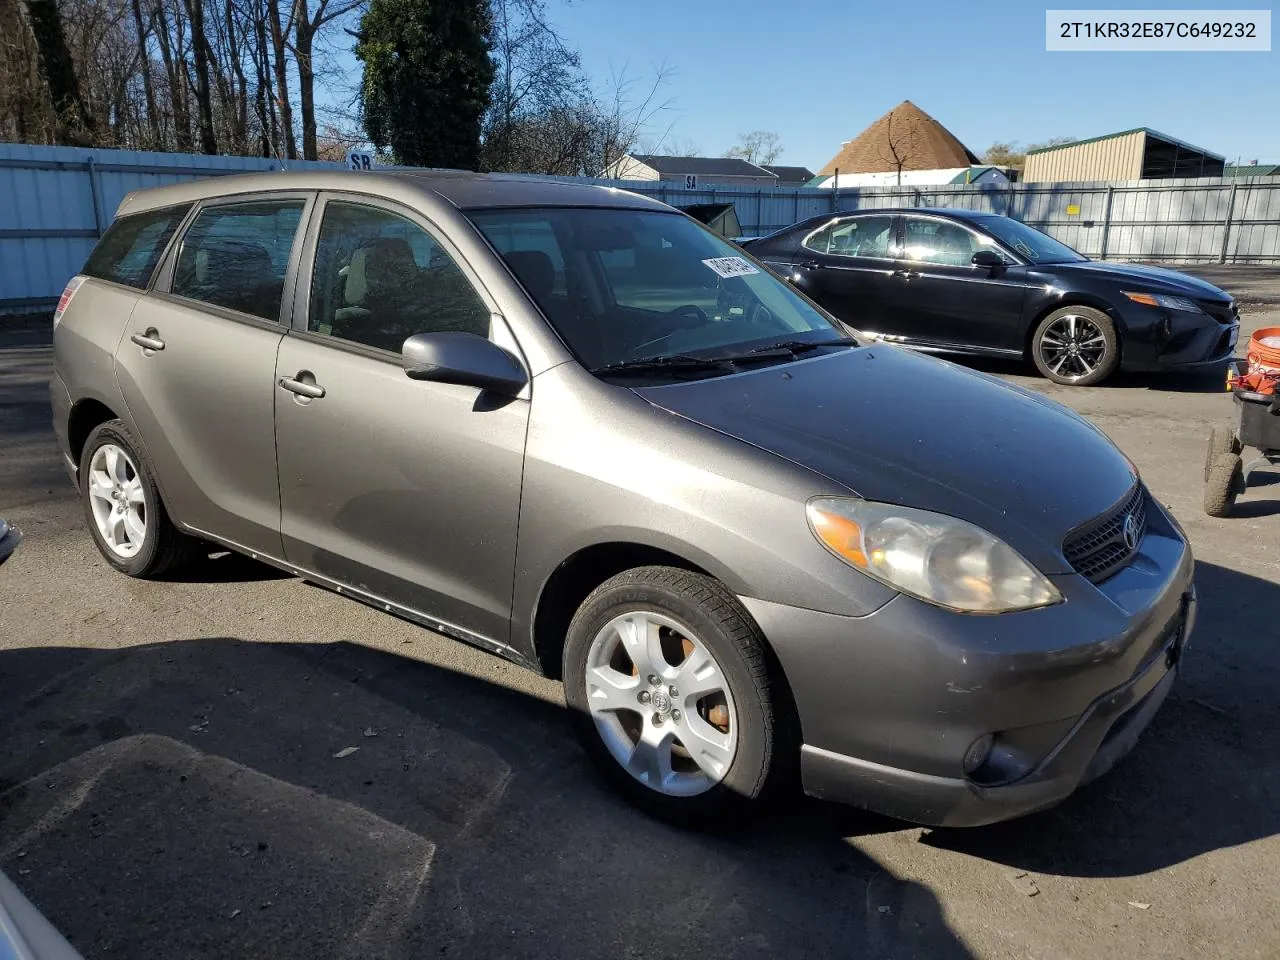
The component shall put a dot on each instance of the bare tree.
(758, 146)
(626, 112)
(898, 148)
(73, 122)
(308, 21)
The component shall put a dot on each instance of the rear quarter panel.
(85, 341)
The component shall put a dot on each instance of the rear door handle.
(807, 264)
(149, 340)
(311, 390)
(906, 274)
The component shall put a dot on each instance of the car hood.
(904, 428)
(1155, 279)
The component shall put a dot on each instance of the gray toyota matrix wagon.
(571, 426)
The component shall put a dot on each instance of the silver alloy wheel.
(671, 726)
(116, 497)
(1073, 347)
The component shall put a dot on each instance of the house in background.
(906, 146)
(690, 172)
(790, 176)
(1138, 154)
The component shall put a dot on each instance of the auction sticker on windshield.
(729, 267)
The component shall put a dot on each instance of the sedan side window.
(938, 241)
(857, 237)
(380, 278)
(236, 255)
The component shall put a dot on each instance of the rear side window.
(131, 247)
(236, 256)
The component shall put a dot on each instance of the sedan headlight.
(1163, 300)
(935, 558)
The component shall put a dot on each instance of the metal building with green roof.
(1137, 154)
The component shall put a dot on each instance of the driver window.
(380, 278)
(939, 241)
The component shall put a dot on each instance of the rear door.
(847, 266)
(197, 363)
(407, 490)
(940, 298)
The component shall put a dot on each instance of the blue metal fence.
(55, 202)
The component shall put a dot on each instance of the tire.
(694, 615)
(1222, 440)
(160, 547)
(1076, 346)
(1223, 484)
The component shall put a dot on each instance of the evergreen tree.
(427, 73)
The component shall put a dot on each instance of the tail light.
(65, 300)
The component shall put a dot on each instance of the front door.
(408, 491)
(847, 267)
(942, 298)
(197, 369)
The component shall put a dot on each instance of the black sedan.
(961, 281)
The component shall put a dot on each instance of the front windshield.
(626, 285)
(1028, 242)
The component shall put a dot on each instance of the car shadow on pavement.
(215, 798)
(1207, 380)
(1205, 776)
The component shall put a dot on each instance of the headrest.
(383, 264)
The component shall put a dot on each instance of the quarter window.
(858, 237)
(380, 278)
(236, 256)
(129, 250)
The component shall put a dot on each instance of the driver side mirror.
(463, 358)
(987, 258)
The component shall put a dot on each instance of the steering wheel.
(687, 309)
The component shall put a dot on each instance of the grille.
(1097, 549)
(1227, 312)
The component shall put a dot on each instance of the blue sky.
(819, 73)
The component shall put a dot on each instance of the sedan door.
(941, 298)
(197, 367)
(847, 266)
(407, 491)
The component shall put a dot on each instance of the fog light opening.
(978, 753)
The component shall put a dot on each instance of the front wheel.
(1076, 346)
(669, 690)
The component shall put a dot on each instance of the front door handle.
(149, 340)
(906, 274)
(807, 264)
(303, 387)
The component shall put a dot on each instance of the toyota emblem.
(1131, 532)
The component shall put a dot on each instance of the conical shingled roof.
(921, 143)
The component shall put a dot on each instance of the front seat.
(378, 293)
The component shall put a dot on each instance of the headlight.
(1163, 300)
(935, 558)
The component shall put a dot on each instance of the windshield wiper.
(788, 348)
(673, 361)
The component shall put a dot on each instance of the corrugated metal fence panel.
(48, 197)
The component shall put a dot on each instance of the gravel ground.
(169, 785)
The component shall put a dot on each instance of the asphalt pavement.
(177, 778)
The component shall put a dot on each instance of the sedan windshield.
(1028, 242)
(622, 286)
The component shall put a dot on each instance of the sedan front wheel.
(1076, 346)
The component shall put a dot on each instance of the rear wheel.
(670, 693)
(122, 505)
(1076, 346)
(1223, 484)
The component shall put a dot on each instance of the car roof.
(457, 189)
(951, 213)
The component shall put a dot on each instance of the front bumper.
(890, 703)
(1157, 339)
